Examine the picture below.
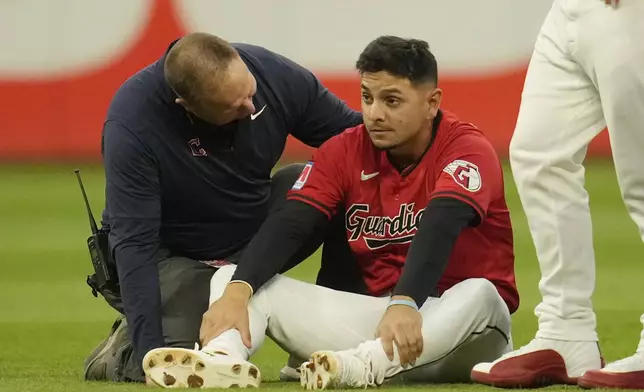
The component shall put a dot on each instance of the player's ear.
(434, 97)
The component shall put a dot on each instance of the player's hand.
(228, 312)
(401, 324)
(614, 3)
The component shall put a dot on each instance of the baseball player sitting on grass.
(425, 215)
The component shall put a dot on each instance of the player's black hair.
(407, 58)
(194, 62)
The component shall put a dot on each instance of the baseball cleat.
(339, 369)
(320, 372)
(171, 367)
(542, 362)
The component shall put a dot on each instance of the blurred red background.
(60, 117)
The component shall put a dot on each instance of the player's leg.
(281, 301)
(224, 360)
(472, 313)
(336, 320)
(220, 365)
(560, 114)
(617, 67)
(456, 367)
(290, 311)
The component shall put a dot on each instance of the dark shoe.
(102, 363)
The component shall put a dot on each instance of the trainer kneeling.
(189, 144)
(422, 197)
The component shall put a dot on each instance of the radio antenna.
(92, 222)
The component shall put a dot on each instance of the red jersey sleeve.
(469, 171)
(321, 183)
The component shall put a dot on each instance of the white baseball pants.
(469, 324)
(586, 73)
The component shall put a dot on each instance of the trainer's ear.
(434, 97)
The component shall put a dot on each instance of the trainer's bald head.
(209, 78)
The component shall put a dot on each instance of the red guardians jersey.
(383, 207)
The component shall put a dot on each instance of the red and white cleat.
(541, 362)
(627, 373)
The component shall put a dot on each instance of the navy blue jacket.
(198, 190)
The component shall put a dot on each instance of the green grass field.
(49, 321)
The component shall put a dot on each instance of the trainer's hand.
(228, 312)
(401, 324)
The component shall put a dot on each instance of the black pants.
(185, 283)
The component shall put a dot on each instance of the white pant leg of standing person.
(586, 73)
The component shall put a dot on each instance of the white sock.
(380, 361)
(229, 342)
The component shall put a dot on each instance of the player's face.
(230, 98)
(395, 111)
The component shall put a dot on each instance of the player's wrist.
(403, 300)
(239, 289)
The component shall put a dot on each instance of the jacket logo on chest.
(195, 147)
(380, 231)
